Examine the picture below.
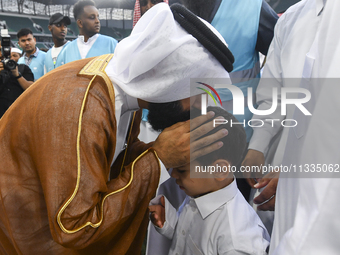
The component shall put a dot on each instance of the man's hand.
(15, 72)
(253, 158)
(157, 213)
(266, 199)
(173, 144)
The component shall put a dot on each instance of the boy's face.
(193, 187)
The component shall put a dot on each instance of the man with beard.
(58, 28)
(74, 177)
(147, 133)
(89, 42)
(33, 57)
(16, 54)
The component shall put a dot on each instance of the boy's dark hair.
(78, 7)
(234, 144)
(24, 32)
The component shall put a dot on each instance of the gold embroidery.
(95, 67)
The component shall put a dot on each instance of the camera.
(6, 51)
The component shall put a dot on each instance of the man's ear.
(49, 27)
(222, 168)
(79, 23)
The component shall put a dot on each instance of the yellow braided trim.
(96, 68)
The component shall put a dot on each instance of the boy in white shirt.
(214, 218)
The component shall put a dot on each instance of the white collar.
(210, 202)
(92, 38)
(60, 47)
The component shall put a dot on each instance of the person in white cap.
(69, 184)
(13, 82)
(16, 54)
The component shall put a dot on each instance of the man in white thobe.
(316, 223)
(305, 45)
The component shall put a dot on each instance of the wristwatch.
(19, 76)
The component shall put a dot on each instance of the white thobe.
(293, 37)
(314, 226)
(289, 59)
(306, 219)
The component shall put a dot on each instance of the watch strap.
(19, 76)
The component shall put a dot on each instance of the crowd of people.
(79, 173)
(90, 43)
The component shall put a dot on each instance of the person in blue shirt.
(33, 57)
(89, 42)
(58, 28)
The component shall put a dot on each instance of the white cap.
(16, 50)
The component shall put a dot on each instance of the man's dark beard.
(164, 115)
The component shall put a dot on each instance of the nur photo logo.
(279, 97)
(204, 97)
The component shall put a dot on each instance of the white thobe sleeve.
(271, 78)
(171, 218)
